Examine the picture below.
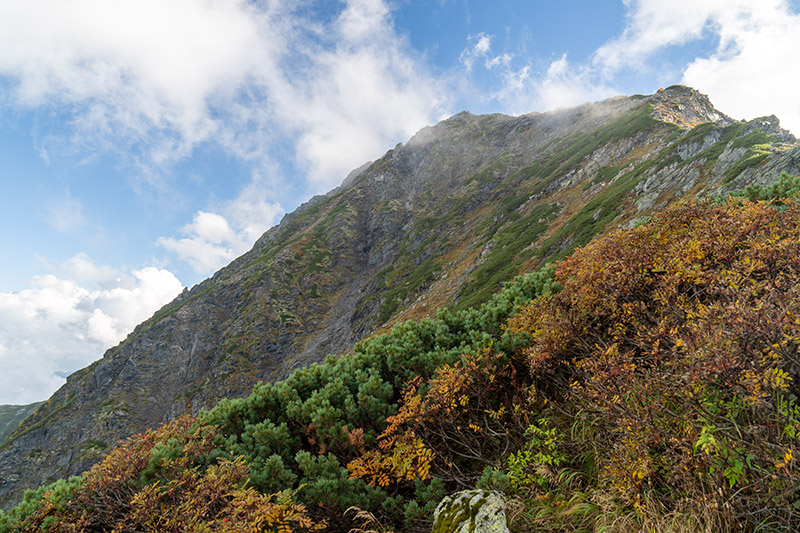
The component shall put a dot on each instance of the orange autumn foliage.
(454, 425)
(157, 481)
(678, 343)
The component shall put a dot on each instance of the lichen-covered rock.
(471, 511)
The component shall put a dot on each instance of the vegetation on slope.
(649, 381)
(298, 434)
(12, 415)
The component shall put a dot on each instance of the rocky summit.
(443, 220)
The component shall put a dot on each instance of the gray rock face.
(686, 107)
(471, 511)
(459, 208)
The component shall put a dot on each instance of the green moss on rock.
(471, 511)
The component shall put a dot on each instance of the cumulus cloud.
(208, 242)
(750, 70)
(59, 325)
(213, 240)
(159, 79)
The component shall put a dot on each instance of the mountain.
(12, 415)
(445, 219)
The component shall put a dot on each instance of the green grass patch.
(594, 216)
(758, 145)
(93, 445)
(497, 166)
(603, 174)
(505, 259)
(422, 274)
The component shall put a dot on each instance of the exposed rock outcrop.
(471, 511)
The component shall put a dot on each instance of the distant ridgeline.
(615, 387)
(12, 415)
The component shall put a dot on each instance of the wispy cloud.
(65, 214)
(59, 324)
(158, 79)
(480, 47)
(516, 87)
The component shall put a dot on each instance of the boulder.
(471, 511)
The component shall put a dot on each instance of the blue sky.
(144, 144)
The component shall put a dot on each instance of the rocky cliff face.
(443, 220)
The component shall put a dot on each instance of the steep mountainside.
(445, 219)
(12, 415)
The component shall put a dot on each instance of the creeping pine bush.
(304, 431)
(278, 458)
(156, 482)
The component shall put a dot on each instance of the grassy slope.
(12, 415)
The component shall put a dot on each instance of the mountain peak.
(686, 107)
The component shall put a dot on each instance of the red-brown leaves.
(676, 331)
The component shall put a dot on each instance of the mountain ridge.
(443, 219)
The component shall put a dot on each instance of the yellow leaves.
(497, 414)
(778, 379)
(408, 459)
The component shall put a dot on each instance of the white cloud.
(209, 242)
(566, 85)
(158, 79)
(361, 92)
(521, 90)
(480, 47)
(750, 71)
(213, 240)
(59, 325)
(81, 268)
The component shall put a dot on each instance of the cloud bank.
(65, 321)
